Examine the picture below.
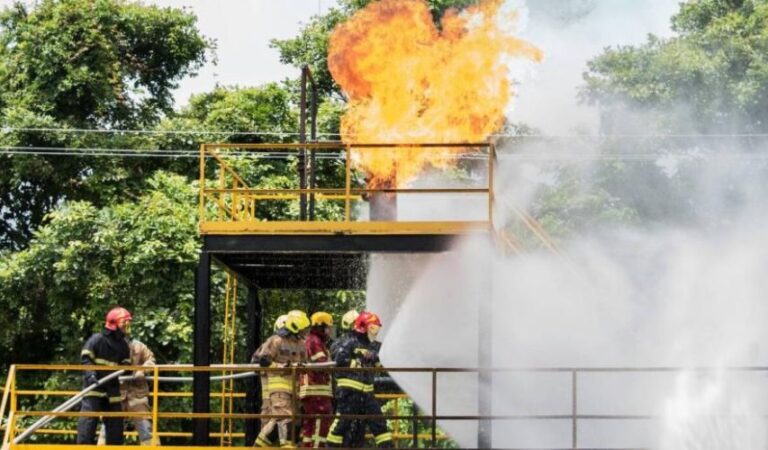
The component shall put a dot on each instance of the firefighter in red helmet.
(354, 389)
(106, 348)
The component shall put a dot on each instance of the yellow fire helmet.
(280, 322)
(348, 319)
(297, 321)
(322, 318)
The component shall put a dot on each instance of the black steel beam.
(253, 340)
(393, 243)
(201, 383)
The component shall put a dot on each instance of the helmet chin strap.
(372, 334)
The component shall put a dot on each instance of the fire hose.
(73, 401)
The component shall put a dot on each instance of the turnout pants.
(279, 403)
(315, 429)
(142, 425)
(350, 401)
(86, 426)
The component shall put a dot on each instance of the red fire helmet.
(364, 320)
(114, 316)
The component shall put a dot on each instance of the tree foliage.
(71, 64)
(712, 77)
(140, 254)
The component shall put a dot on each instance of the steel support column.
(485, 361)
(201, 384)
(253, 340)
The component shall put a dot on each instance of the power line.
(292, 133)
(326, 155)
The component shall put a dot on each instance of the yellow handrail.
(233, 203)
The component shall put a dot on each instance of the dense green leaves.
(106, 62)
(140, 254)
(710, 78)
(70, 64)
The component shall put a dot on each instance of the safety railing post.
(295, 405)
(396, 423)
(434, 408)
(415, 431)
(155, 403)
(574, 410)
(9, 387)
(12, 418)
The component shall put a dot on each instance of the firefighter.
(107, 348)
(284, 351)
(315, 390)
(347, 322)
(265, 405)
(354, 389)
(135, 392)
(355, 438)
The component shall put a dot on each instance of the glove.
(265, 361)
(139, 375)
(370, 357)
(90, 379)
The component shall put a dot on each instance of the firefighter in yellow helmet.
(316, 390)
(286, 350)
(268, 343)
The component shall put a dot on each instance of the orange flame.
(409, 82)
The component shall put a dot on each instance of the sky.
(569, 31)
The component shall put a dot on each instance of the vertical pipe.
(574, 411)
(201, 208)
(303, 139)
(312, 157)
(253, 340)
(348, 184)
(201, 381)
(434, 408)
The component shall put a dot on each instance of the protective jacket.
(357, 351)
(108, 348)
(316, 383)
(354, 394)
(137, 390)
(281, 350)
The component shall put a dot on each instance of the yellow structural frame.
(230, 206)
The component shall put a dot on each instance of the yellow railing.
(14, 418)
(230, 204)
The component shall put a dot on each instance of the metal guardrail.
(231, 207)
(12, 393)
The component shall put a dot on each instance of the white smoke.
(684, 289)
(570, 32)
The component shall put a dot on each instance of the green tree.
(70, 64)
(711, 77)
(140, 254)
